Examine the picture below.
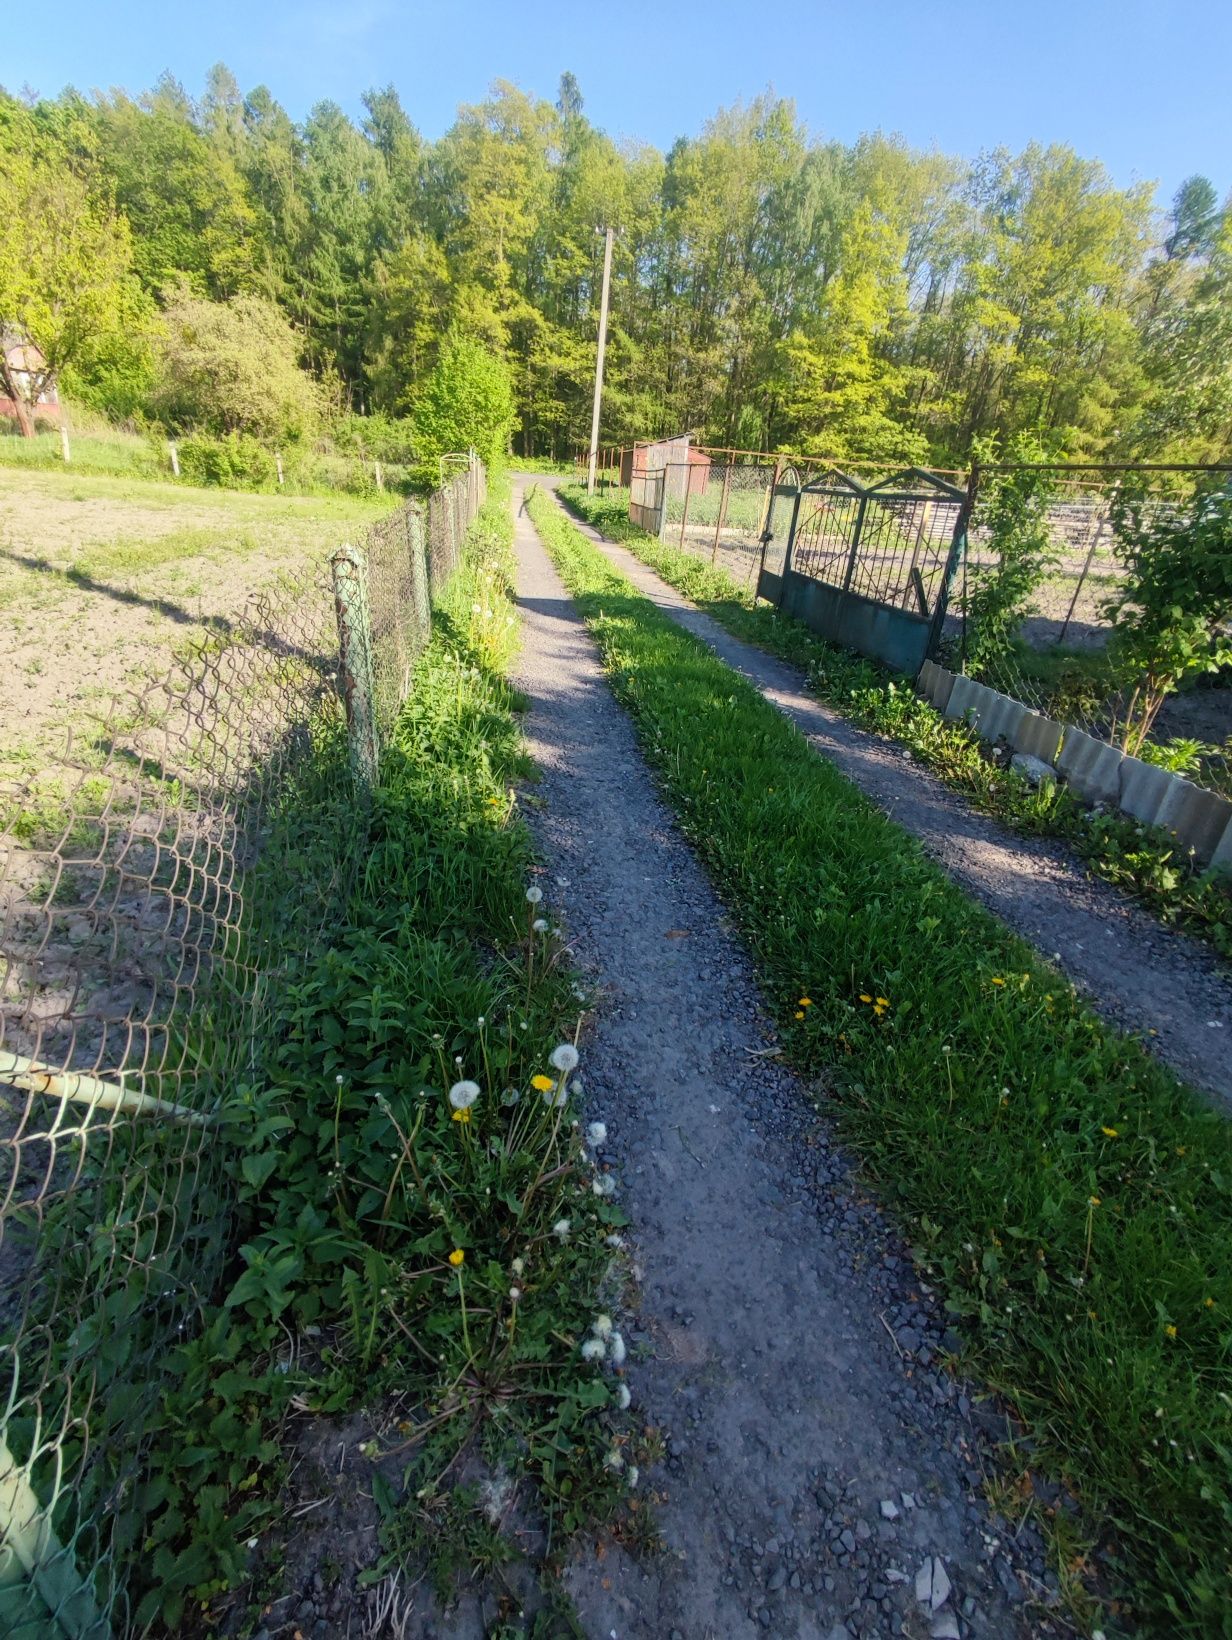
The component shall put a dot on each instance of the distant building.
(21, 359)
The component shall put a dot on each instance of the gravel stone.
(762, 1268)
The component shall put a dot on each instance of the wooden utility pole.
(594, 419)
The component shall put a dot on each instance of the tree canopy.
(771, 288)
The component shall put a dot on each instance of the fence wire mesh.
(1057, 661)
(159, 888)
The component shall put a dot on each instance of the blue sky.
(1147, 88)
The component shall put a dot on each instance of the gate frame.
(891, 633)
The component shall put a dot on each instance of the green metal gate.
(868, 566)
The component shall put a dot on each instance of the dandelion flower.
(805, 1002)
(1109, 1132)
(864, 997)
(623, 1397)
(614, 1461)
(457, 1257)
(1094, 1200)
(561, 1229)
(518, 1265)
(997, 980)
(596, 1133)
(799, 1013)
(616, 1349)
(533, 895)
(601, 1326)
(594, 1349)
(564, 1057)
(463, 1115)
(542, 1084)
(883, 1002)
(1170, 1330)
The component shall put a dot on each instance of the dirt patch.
(103, 581)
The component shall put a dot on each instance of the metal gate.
(646, 497)
(870, 566)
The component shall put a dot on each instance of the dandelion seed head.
(463, 1094)
(533, 895)
(614, 1461)
(601, 1326)
(540, 925)
(564, 1056)
(616, 1349)
(623, 1397)
(561, 1229)
(604, 1185)
(632, 1476)
(596, 1134)
(518, 1265)
(594, 1349)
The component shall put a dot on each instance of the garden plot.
(104, 581)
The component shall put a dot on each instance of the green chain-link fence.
(156, 887)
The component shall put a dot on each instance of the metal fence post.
(417, 549)
(350, 575)
(855, 543)
(957, 557)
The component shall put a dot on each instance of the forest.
(210, 263)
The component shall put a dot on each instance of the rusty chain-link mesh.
(157, 889)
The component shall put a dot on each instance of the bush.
(466, 401)
(232, 367)
(234, 462)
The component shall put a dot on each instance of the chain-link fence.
(159, 889)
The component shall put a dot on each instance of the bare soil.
(102, 580)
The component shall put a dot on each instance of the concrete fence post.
(350, 576)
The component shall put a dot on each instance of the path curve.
(1143, 977)
(817, 1455)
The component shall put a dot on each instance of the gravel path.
(823, 1476)
(1140, 975)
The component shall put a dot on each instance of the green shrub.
(233, 462)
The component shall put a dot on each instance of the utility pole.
(594, 419)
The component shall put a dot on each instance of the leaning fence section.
(186, 858)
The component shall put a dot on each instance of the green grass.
(397, 956)
(1071, 1199)
(1142, 861)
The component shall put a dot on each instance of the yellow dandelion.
(1094, 1200)
(541, 1083)
(1109, 1132)
(1170, 1330)
(799, 1013)
(463, 1115)
(1093, 1315)
(805, 1002)
(864, 997)
(997, 980)
(1180, 1150)
(456, 1257)
(1209, 1303)
(883, 1002)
